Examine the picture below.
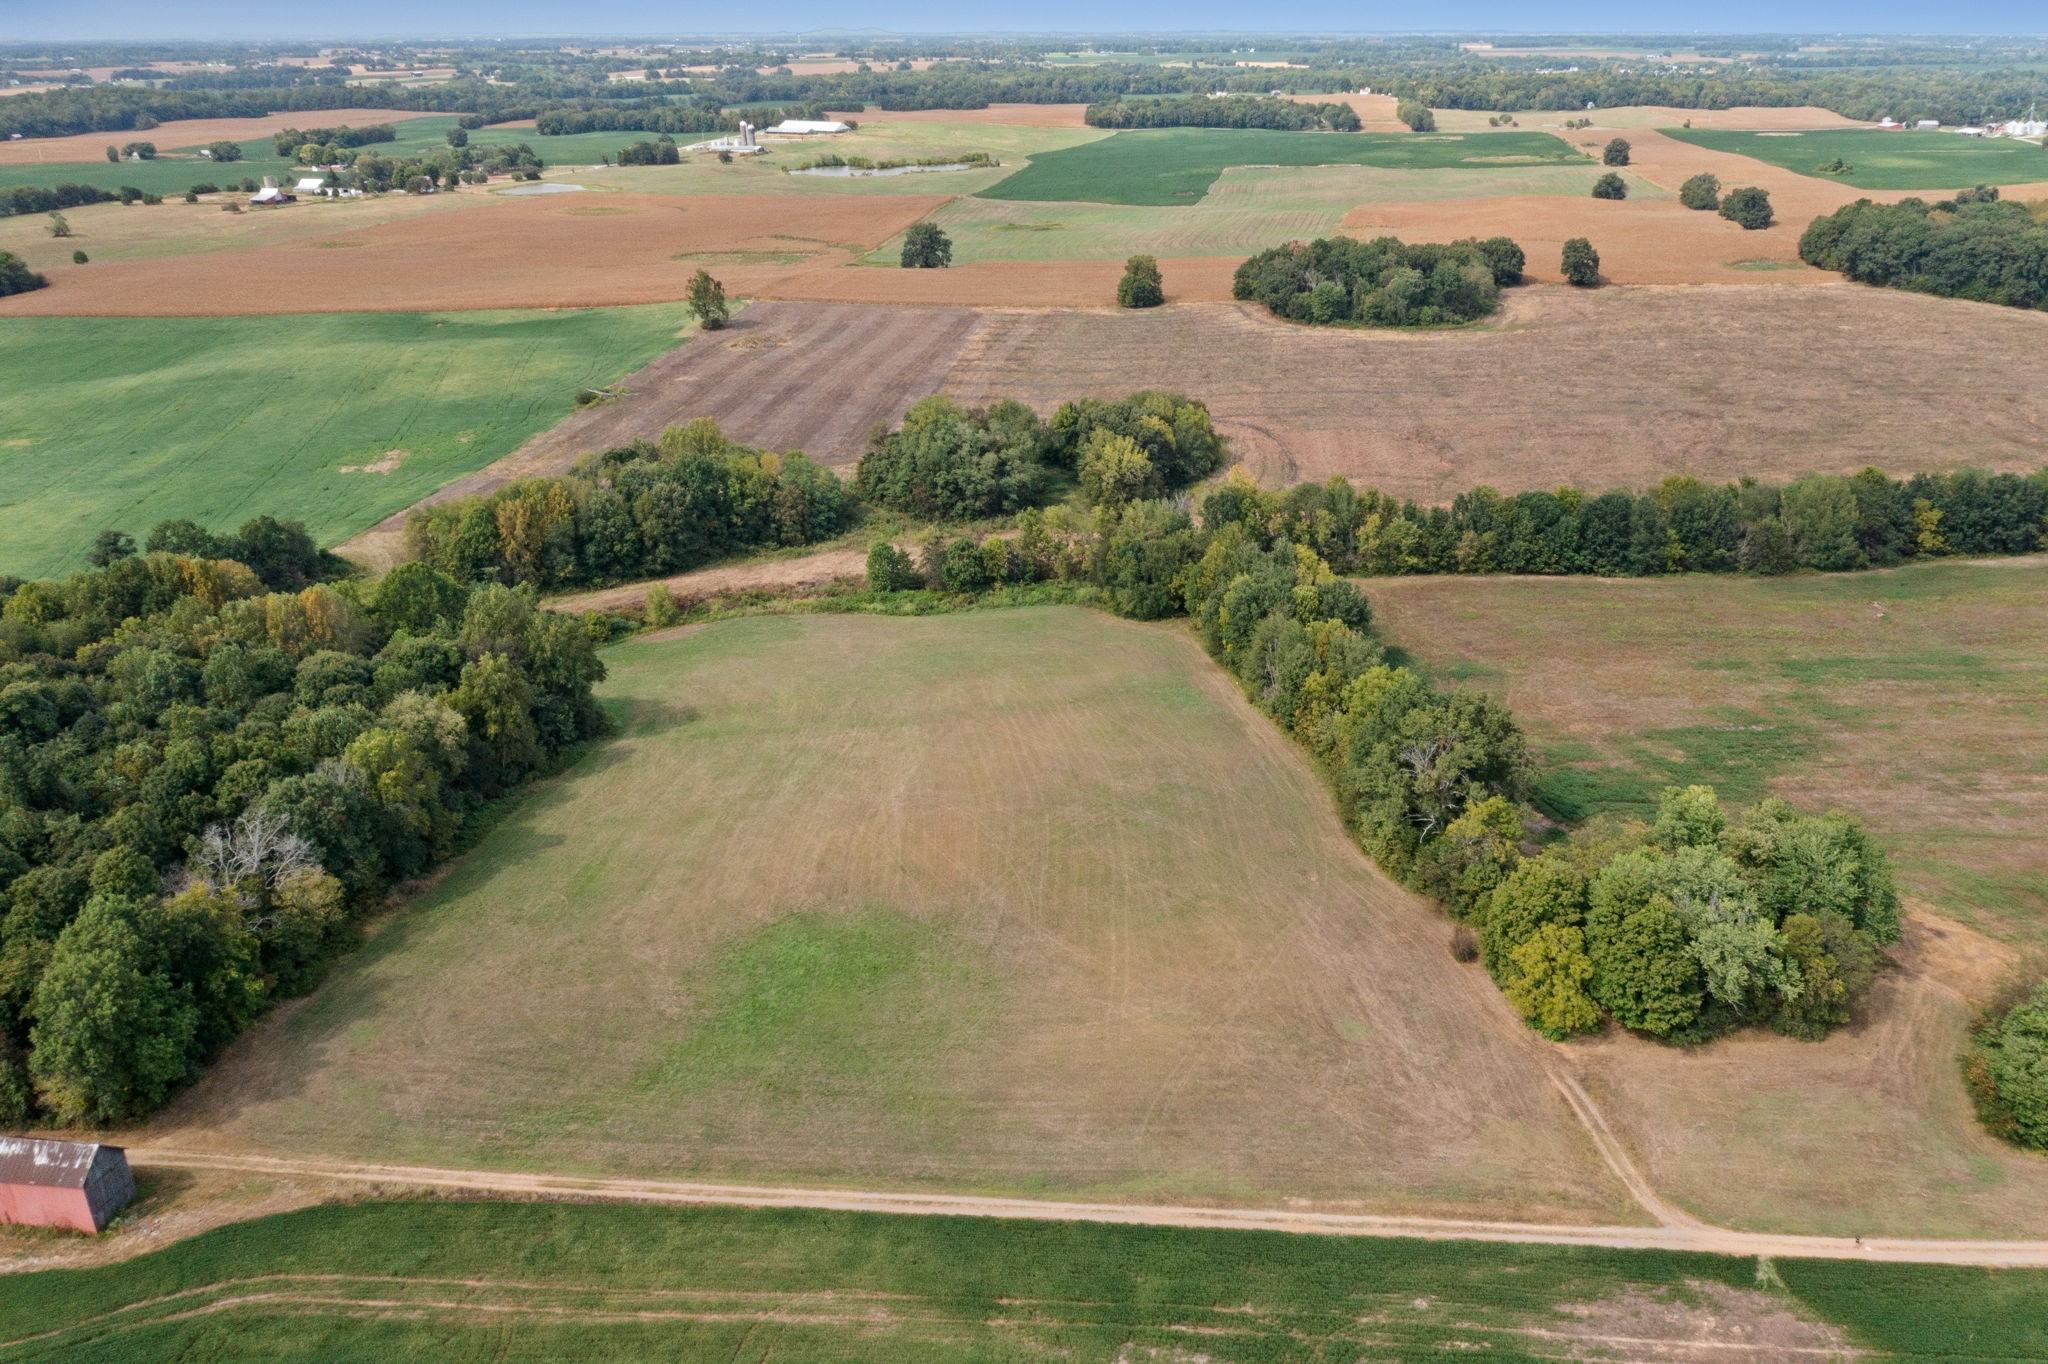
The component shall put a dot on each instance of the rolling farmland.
(1897, 160)
(336, 419)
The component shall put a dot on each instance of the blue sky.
(38, 19)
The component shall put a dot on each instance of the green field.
(1166, 166)
(1026, 900)
(1910, 697)
(447, 1282)
(178, 168)
(1886, 160)
(124, 422)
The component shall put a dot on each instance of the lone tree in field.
(926, 248)
(1748, 208)
(1702, 192)
(1615, 153)
(1417, 115)
(59, 226)
(1581, 263)
(1610, 186)
(1141, 286)
(707, 301)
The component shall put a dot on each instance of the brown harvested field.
(1748, 118)
(190, 132)
(1376, 112)
(1023, 115)
(1083, 924)
(562, 250)
(1603, 388)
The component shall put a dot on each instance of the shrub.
(1748, 208)
(891, 570)
(925, 247)
(661, 607)
(1141, 286)
(1615, 153)
(1610, 186)
(1464, 944)
(1581, 263)
(79, 258)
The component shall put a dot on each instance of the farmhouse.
(76, 1184)
(809, 127)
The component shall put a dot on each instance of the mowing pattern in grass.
(1163, 166)
(1911, 698)
(1885, 160)
(1023, 900)
(456, 1281)
(123, 422)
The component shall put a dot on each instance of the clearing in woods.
(1884, 160)
(1912, 698)
(1027, 901)
(337, 419)
(435, 1281)
(1165, 166)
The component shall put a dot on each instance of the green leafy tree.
(1141, 285)
(1748, 208)
(707, 301)
(1610, 186)
(1702, 192)
(1417, 115)
(16, 277)
(1547, 982)
(224, 151)
(892, 570)
(1115, 469)
(925, 247)
(1767, 549)
(2008, 1070)
(60, 226)
(1689, 817)
(112, 1032)
(1539, 891)
(1615, 153)
(1581, 263)
(110, 545)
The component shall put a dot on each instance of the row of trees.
(1826, 521)
(1381, 283)
(203, 782)
(289, 140)
(634, 512)
(1685, 929)
(950, 463)
(1234, 111)
(1974, 246)
(25, 199)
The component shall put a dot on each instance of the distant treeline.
(25, 199)
(291, 139)
(1973, 246)
(1236, 111)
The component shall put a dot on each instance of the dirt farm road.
(1686, 1235)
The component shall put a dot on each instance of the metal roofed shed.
(806, 127)
(75, 1184)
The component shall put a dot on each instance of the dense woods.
(1381, 283)
(1236, 111)
(207, 775)
(1975, 246)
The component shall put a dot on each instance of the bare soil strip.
(1715, 1240)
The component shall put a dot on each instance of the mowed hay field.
(1885, 160)
(334, 419)
(1025, 900)
(1913, 698)
(442, 1281)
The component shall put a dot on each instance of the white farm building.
(808, 127)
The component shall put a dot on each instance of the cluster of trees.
(1235, 111)
(16, 277)
(25, 199)
(203, 781)
(2006, 1068)
(1974, 246)
(288, 141)
(139, 151)
(950, 463)
(1827, 522)
(633, 512)
(1419, 117)
(660, 152)
(1748, 208)
(1381, 283)
(1684, 929)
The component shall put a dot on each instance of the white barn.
(809, 127)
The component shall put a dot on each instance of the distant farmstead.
(75, 1184)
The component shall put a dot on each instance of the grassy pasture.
(123, 422)
(508, 1282)
(1247, 209)
(1912, 698)
(1167, 166)
(1024, 900)
(1885, 160)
